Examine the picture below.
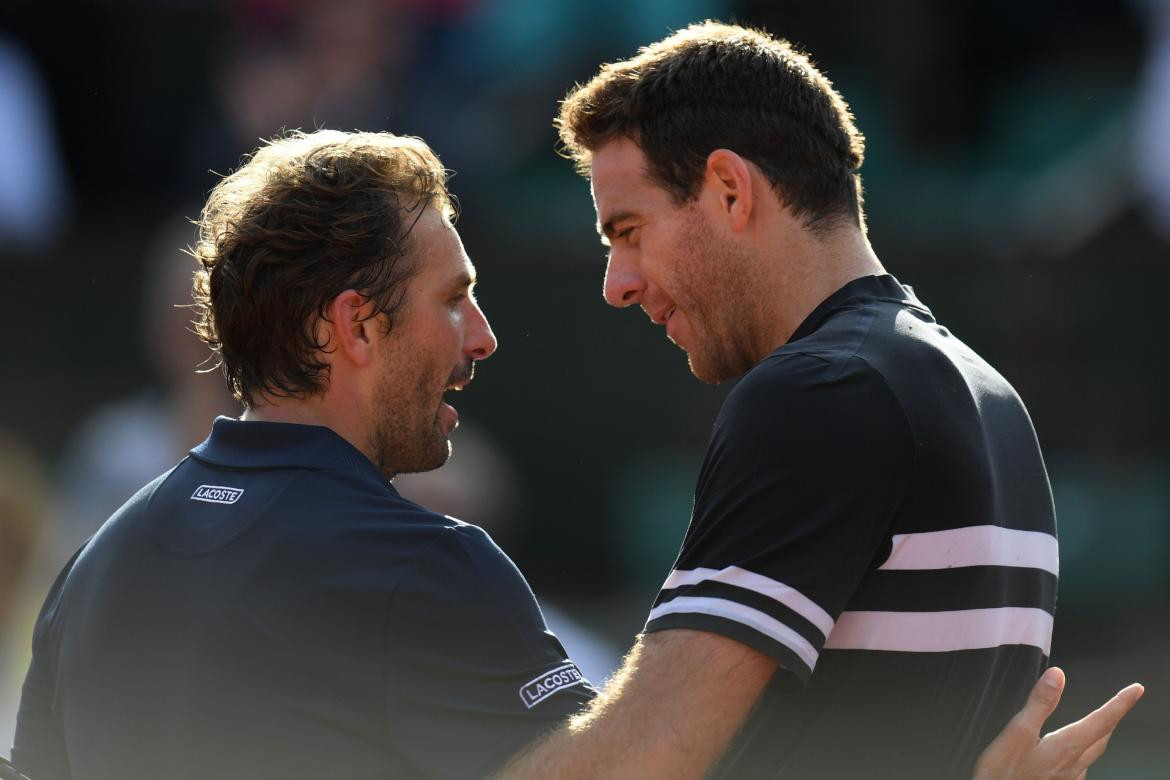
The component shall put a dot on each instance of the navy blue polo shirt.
(272, 608)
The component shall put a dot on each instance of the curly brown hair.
(712, 86)
(306, 217)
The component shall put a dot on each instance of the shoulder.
(818, 389)
(129, 514)
(462, 563)
(799, 428)
(373, 526)
(463, 590)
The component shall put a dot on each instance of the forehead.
(619, 180)
(439, 248)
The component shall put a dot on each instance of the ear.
(729, 177)
(349, 328)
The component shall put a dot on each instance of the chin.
(445, 453)
(436, 456)
(427, 456)
(712, 372)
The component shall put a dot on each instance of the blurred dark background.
(1017, 175)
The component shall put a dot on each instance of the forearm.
(670, 711)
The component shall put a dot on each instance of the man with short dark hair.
(271, 608)
(867, 585)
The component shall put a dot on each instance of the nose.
(478, 342)
(624, 283)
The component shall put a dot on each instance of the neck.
(812, 268)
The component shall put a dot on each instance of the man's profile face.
(438, 334)
(670, 260)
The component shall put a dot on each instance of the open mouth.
(459, 379)
(667, 319)
(661, 316)
(448, 416)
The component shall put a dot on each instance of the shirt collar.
(874, 288)
(251, 444)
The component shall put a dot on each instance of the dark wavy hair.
(717, 86)
(307, 216)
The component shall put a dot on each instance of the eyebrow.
(606, 230)
(463, 279)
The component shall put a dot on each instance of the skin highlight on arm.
(670, 711)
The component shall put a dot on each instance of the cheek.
(442, 343)
(436, 334)
(692, 268)
(453, 332)
(677, 278)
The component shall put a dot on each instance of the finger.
(1042, 700)
(1099, 723)
(1022, 732)
(1092, 754)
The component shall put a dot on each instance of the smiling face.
(432, 347)
(673, 262)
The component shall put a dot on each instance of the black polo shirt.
(272, 608)
(873, 512)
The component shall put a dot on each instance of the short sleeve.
(805, 469)
(475, 675)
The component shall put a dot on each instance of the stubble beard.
(407, 436)
(719, 280)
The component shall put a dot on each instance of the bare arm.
(670, 711)
(1019, 753)
(681, 695)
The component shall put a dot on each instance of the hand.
(1018, 753)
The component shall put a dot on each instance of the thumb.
(1002, 757)
(1045, 695)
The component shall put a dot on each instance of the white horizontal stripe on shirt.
(765, 586)
(941, 632)
(977, 545)
(734, 611)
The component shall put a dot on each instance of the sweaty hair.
(716, 86)
(306, 217)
